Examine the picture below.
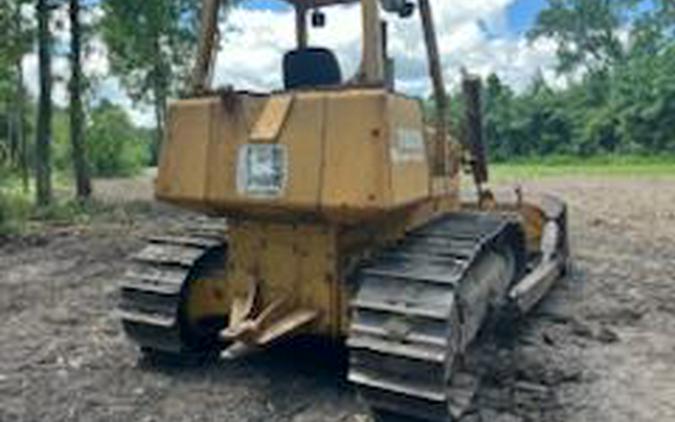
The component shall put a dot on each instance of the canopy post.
(389, 70)
(372, 62)
(440, 96)
(301, 26)
(202, 72)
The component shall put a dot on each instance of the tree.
(17, 39)
(151, 47)
(82, 179)
(643, 101)
(44, 118)
(654, 29)
(587, 31)
(20, 129)
(622, 99)
(121, 149)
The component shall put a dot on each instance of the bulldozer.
(344, 218)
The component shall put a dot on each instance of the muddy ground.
(601, 348)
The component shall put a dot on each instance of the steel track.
(153, 289)
(419, 306)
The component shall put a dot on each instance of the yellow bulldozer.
(344, 220)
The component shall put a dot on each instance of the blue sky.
(521, 14)
(484, 36)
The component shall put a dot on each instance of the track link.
(418, 307)
(153, 289)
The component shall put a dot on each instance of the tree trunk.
(77, 139)
(160, 96)
(12, 138)
(8, 151)
(202, 72)
(160, 104)
(21, 127)
(44, 119)
(441, 147)
(21, 109)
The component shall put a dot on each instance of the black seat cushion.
(310, 68)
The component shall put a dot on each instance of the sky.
(522, 14)
(483, 36)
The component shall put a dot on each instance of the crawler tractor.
(344, 220)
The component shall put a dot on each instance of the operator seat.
(311, 67)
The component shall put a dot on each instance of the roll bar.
(373, 70)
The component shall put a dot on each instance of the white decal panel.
(408, 147)
(262, 170)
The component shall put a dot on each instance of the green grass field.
(607, 166)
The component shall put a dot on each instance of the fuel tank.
(337, 155)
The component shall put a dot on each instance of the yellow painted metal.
(355, 174)
(272, 119)
(187, 188)
(344, 171)
(409, 169)
(198, 160)
(292, 262)
(351, 153)
(303, 137)
(357, 177)
(372, 69)
(282, 276)
(208, 298)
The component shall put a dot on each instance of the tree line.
(617, 58)
(148, 44)
(618, 61)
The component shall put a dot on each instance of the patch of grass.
(63, 213)
(18, 214)
(15, 204)
(73, 212)
(600, 166)
(15, 211)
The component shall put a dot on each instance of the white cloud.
(95, 63)
(255, 41)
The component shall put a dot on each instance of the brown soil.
(601, 347)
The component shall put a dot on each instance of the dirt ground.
(601, 348)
